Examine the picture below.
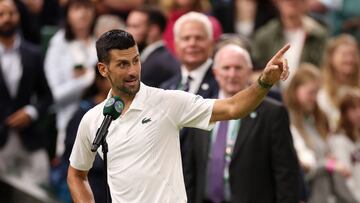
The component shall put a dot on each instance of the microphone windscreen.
(113, 107)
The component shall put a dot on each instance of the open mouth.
(131, 82)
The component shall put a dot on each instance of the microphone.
(112, 110)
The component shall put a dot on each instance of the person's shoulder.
(272, 26)
(58, 38)
(93, 113)
(315, 28)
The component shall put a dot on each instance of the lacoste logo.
(145, 120)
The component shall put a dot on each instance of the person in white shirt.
(144, 152)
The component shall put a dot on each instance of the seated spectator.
(341, 70)
(147, 25)
(309, 128)
(174, 9)
(243, 17)
(69, 63)
(24, 97)
(306, 37)
(345, 144)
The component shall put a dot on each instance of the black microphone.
(112, 110)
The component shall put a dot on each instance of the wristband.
(262, 84)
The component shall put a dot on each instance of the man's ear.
(102, 69)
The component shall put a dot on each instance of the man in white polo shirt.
(144, 162)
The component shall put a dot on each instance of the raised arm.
(79, 186)
(247, 100)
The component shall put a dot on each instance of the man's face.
(123, 71)
(9, 18)
(193, 45)
(232, 72)
(137, 26)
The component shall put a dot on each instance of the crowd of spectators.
(49, 79)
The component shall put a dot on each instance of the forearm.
(246, 101)
(80, 189)
(240, 104)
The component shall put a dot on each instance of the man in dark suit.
(147, 25)
(24, 98)
(248, 160)
(194, 45)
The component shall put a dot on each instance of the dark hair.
(113, 39)
(155, 16)
(69, 34)
(349, 101)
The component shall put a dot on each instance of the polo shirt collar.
(139, 100)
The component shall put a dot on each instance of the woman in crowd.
(341, 70)
(69, 62)
(345, 144)
(310, 134)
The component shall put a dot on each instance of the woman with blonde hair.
(345, 144)
(310, 132)
(341, 70)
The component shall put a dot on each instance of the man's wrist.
(263, 84)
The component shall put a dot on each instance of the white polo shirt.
(144, 161)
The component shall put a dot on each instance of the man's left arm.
(284, 161)
(248, 99)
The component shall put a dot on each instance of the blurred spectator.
(107, 22)
(341, 70)
(174, 9)
(346, 19)
(306, 36)
(309, 128)
(346, 143)
(255, 158)
(69, 63)
(95, 94)
(25, 97)
(34, 15)
(147, 25)
(117, 7)
(243, 16)
(194, 45)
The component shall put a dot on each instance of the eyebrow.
(126, 60)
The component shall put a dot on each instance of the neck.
(127, 99)
(291, 22)
(82, 35)
(8, 42)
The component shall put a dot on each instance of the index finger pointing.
(281, 52)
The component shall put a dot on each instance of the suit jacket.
(33, 90)
(208, 80)
(158, 67)
(263, 167)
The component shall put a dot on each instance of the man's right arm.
(79, 186)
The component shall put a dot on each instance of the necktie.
(186, 86)
(217, 164)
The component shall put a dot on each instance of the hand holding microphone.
(112, 110)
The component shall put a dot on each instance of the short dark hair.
(113, 39)
(155, 16)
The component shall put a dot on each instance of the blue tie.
(217, 164)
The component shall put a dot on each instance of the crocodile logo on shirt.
(145, 120)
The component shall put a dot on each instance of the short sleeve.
(189, 110)
(82, 157)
